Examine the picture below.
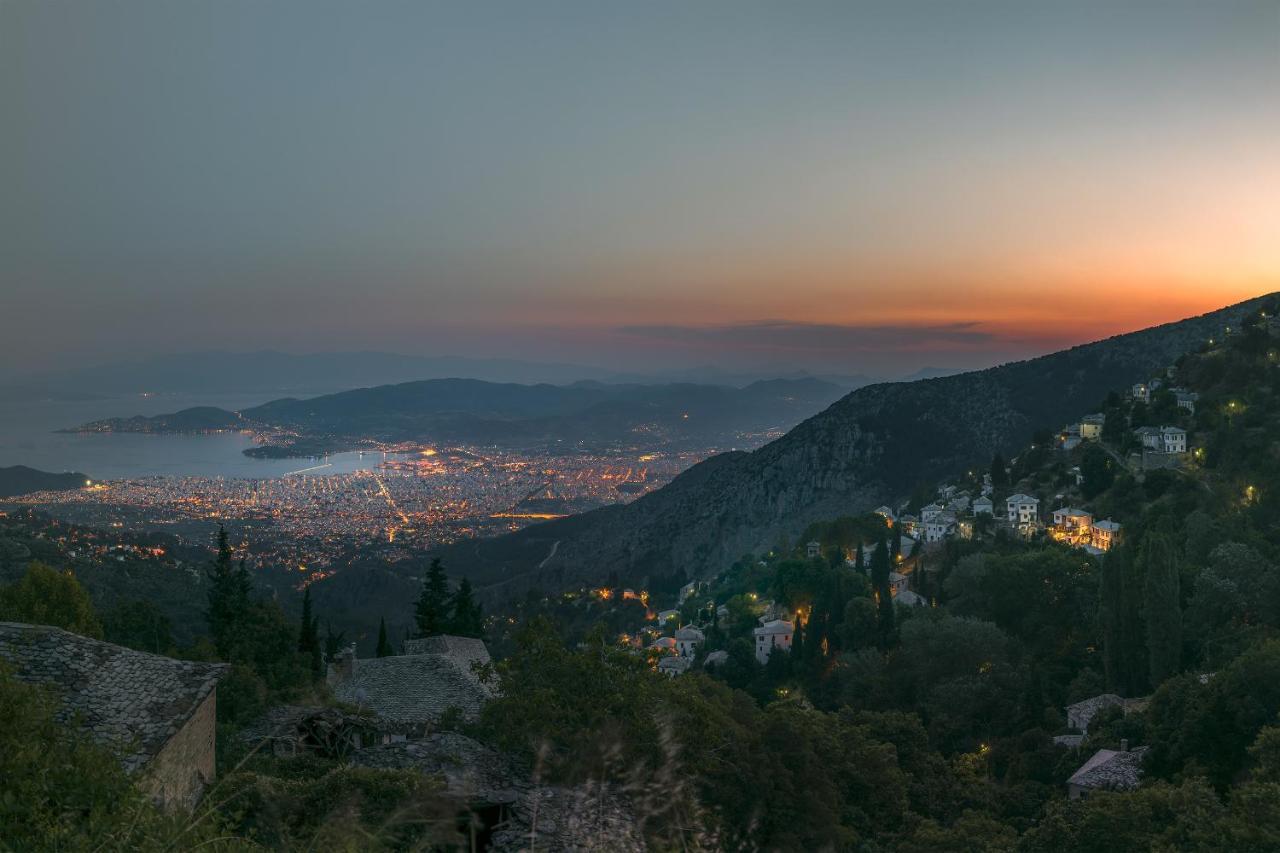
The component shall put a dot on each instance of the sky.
(832, 186)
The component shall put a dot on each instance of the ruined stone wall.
(176, 777)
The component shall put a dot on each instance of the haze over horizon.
(838, 189)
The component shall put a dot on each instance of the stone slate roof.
(414, 689)
(125, 699)
(1111, 770)
(1087, 709)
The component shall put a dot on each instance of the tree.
(896, 547)
(999, 472)
(309, 636)
(467, 619)
(880, 568)
(1097, 470)
(384, 647)
(45, 596)
(139, 625)
(1162, 606)
(432, 613)
(228, 597)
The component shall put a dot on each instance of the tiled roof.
(690, 633)
(1111, 770)
(123, 698)
(413, 689)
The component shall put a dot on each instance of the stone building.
(156, 712)
(408, 692)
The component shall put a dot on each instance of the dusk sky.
(838, 186)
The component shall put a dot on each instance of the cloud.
(799, 337)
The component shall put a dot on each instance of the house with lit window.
(1141, 392)
(1106, 533)
(1091, 426)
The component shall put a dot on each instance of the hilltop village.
(1031, 653)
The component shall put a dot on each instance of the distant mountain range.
(21, 480)
(270, 372)
(472, 411)
(872, 447)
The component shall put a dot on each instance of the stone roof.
(1111, 770)
(414, 689)
(125, 699)
(673, 665)
(1087, 709)
(777, 626)
(690, 633)
(716, 658)
(910, 599)
(462, 649)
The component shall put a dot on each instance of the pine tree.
(228, 598)
(880, 568)
(1162, 607)
(384, 648)
(467, 620)
(432, 613)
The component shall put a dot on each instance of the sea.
(29, 436)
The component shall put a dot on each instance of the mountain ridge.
(870, 447)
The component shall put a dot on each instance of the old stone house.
(156, 712)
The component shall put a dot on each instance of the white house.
(1141, 392)
(665, 616)
(687, 641)
(939, 527)
(1186, 399)
(983, 506)
(773, 635)
(1023, 509)
(1174, 439)
(1152, 438)
(887, 514)
(930, 512)
(813, 549)
(672, 665)
(897, 583)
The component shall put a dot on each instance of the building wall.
(178, 774)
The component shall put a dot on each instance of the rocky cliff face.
(871, 447)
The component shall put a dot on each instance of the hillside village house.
(1106, 533)
(673, 665)
(983, 506)
(813, 549)
(1108, 770)
(687, 641)
(407, 693)
(771, 636)
(161, 712)
(1186, 399)
(1141, 392)
(930, 512)
(887, 514)
(1023, 509)
(1091, 426)
(939, 527)
(1174, 439)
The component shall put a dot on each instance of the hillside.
(873, 446)
(20, 480)
(472, 411)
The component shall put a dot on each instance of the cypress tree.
(228, 598)
(1111, 615)
(467, 620)
(432, 612)
(880, 569)
(897, 542)
(1162, 607)
(858, 561)
(384, 647)
(309, 636)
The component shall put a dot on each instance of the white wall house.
(1141, 392)
(939, 527)
(983, 506)
(1174, 439)
(773, 635)
(687, 641)
(930, 512)
(1023, 509)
